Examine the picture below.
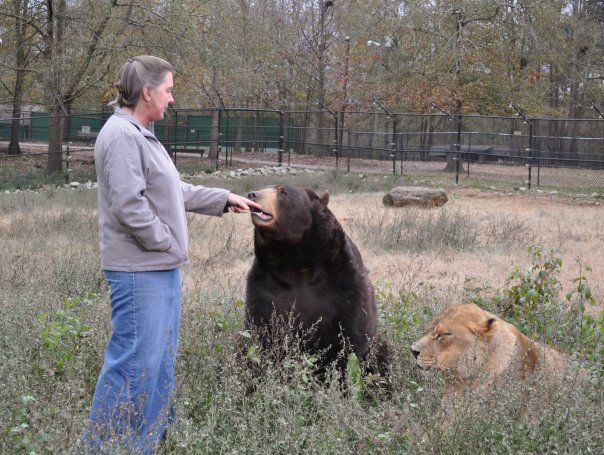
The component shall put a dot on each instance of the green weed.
(532, 301)
(63, 335)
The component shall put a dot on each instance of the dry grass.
(505, 226)
(50, 253)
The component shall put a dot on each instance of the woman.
(143, 243)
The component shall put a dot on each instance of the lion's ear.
(487, 326)
(483, 328)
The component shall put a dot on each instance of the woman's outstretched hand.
(240, 204)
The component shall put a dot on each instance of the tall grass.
(417, 230)
(55, 323)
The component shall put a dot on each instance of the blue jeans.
(133, 399)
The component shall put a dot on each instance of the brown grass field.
(420, 260)
(506, 225)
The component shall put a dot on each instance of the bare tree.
(21, 14)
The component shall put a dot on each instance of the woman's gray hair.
(135, 74)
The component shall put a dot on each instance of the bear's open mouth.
(260, 214)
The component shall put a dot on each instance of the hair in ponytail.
(135, 74)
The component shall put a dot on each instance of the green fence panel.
(229, 128)
(195, 128)
(271, 132)
(162, 129)
(5, 131)
(39, 126)
(85, 125)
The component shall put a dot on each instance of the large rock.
(402, 196)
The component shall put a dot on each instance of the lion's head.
(476, 350)
(456, 340)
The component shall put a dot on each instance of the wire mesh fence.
(567, 153)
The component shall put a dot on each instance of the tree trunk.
(321, 78)
(13, 147)
(554, 86)
(55, 139)
(67, 121)
(55, 29)
(248, 135)
(458, 18)
(19, 11)
(214, 135)
(238, 134)
(577, 73)
(304, 138)
(452, 162)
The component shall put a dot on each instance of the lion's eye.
(442, 336)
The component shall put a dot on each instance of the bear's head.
(288, 212)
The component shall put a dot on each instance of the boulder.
(402, 196)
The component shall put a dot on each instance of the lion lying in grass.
(477, 351)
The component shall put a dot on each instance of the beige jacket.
(142, 201)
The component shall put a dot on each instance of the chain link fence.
(565, 153)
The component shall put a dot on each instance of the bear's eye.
(282, 192)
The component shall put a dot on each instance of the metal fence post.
(469, 154)
(290, 142)
(174, 136)
(218, 138)
(349, 138)
(393, 144)
(281, 132)
(335, 141)
(227, 142)
(530, 150)
(458, 157)
(68, 153)
(68, 164)
(402, 152)
(529, 164)
(341, 132)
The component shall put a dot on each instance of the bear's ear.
(324, 198)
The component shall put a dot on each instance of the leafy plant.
(532, 302)
(20, 430)
(63, 333)
(401, 312)
(590, 325)
(354, 372)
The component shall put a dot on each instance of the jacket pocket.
(174, 250)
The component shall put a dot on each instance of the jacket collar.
(150, 133)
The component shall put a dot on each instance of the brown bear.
(307, 269)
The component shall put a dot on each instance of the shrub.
(532, 301)
(63, 335)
